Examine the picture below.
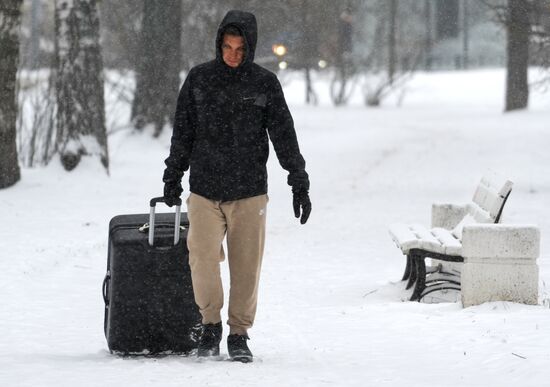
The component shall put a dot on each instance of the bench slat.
(497, 182)
(452, 245)
(491, 191)
(479, 214)
(416, 236)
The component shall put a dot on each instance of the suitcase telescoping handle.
(152, 204)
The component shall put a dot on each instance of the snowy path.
(331, 310)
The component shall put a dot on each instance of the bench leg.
(412, 272)
(407, 272)
(420, 277)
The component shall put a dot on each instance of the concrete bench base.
(500, 264)
(486, 282)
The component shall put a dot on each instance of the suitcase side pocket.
(106, 283)
(106, 298)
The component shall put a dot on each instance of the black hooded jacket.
(223, 118)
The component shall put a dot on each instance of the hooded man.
(225, 111)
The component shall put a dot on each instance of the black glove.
(301, 199)
(172, 193)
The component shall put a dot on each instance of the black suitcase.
(148, 293)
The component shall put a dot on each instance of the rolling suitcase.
(148, 293)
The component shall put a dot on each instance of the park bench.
(465, 240)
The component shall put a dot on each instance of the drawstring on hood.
(246, 23)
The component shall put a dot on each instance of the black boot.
(237, 348)
(210, 340)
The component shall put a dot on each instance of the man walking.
(226, 109)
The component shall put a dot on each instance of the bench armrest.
(482, 242)
(448, 215)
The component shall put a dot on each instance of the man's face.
(233, 50)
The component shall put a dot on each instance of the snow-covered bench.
(468, 233)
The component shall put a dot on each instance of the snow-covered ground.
(332, 310)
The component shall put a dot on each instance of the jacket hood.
(246, 23)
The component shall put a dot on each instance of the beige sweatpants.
(244, 223)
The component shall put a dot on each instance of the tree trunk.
(517, 51)
(10, 21)
(79, 83)
(428, 39)
(158, 64)
(307, 53)
(35, 35)
(339, 89)
(392, 55)
(465, 34)
(447, 12)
